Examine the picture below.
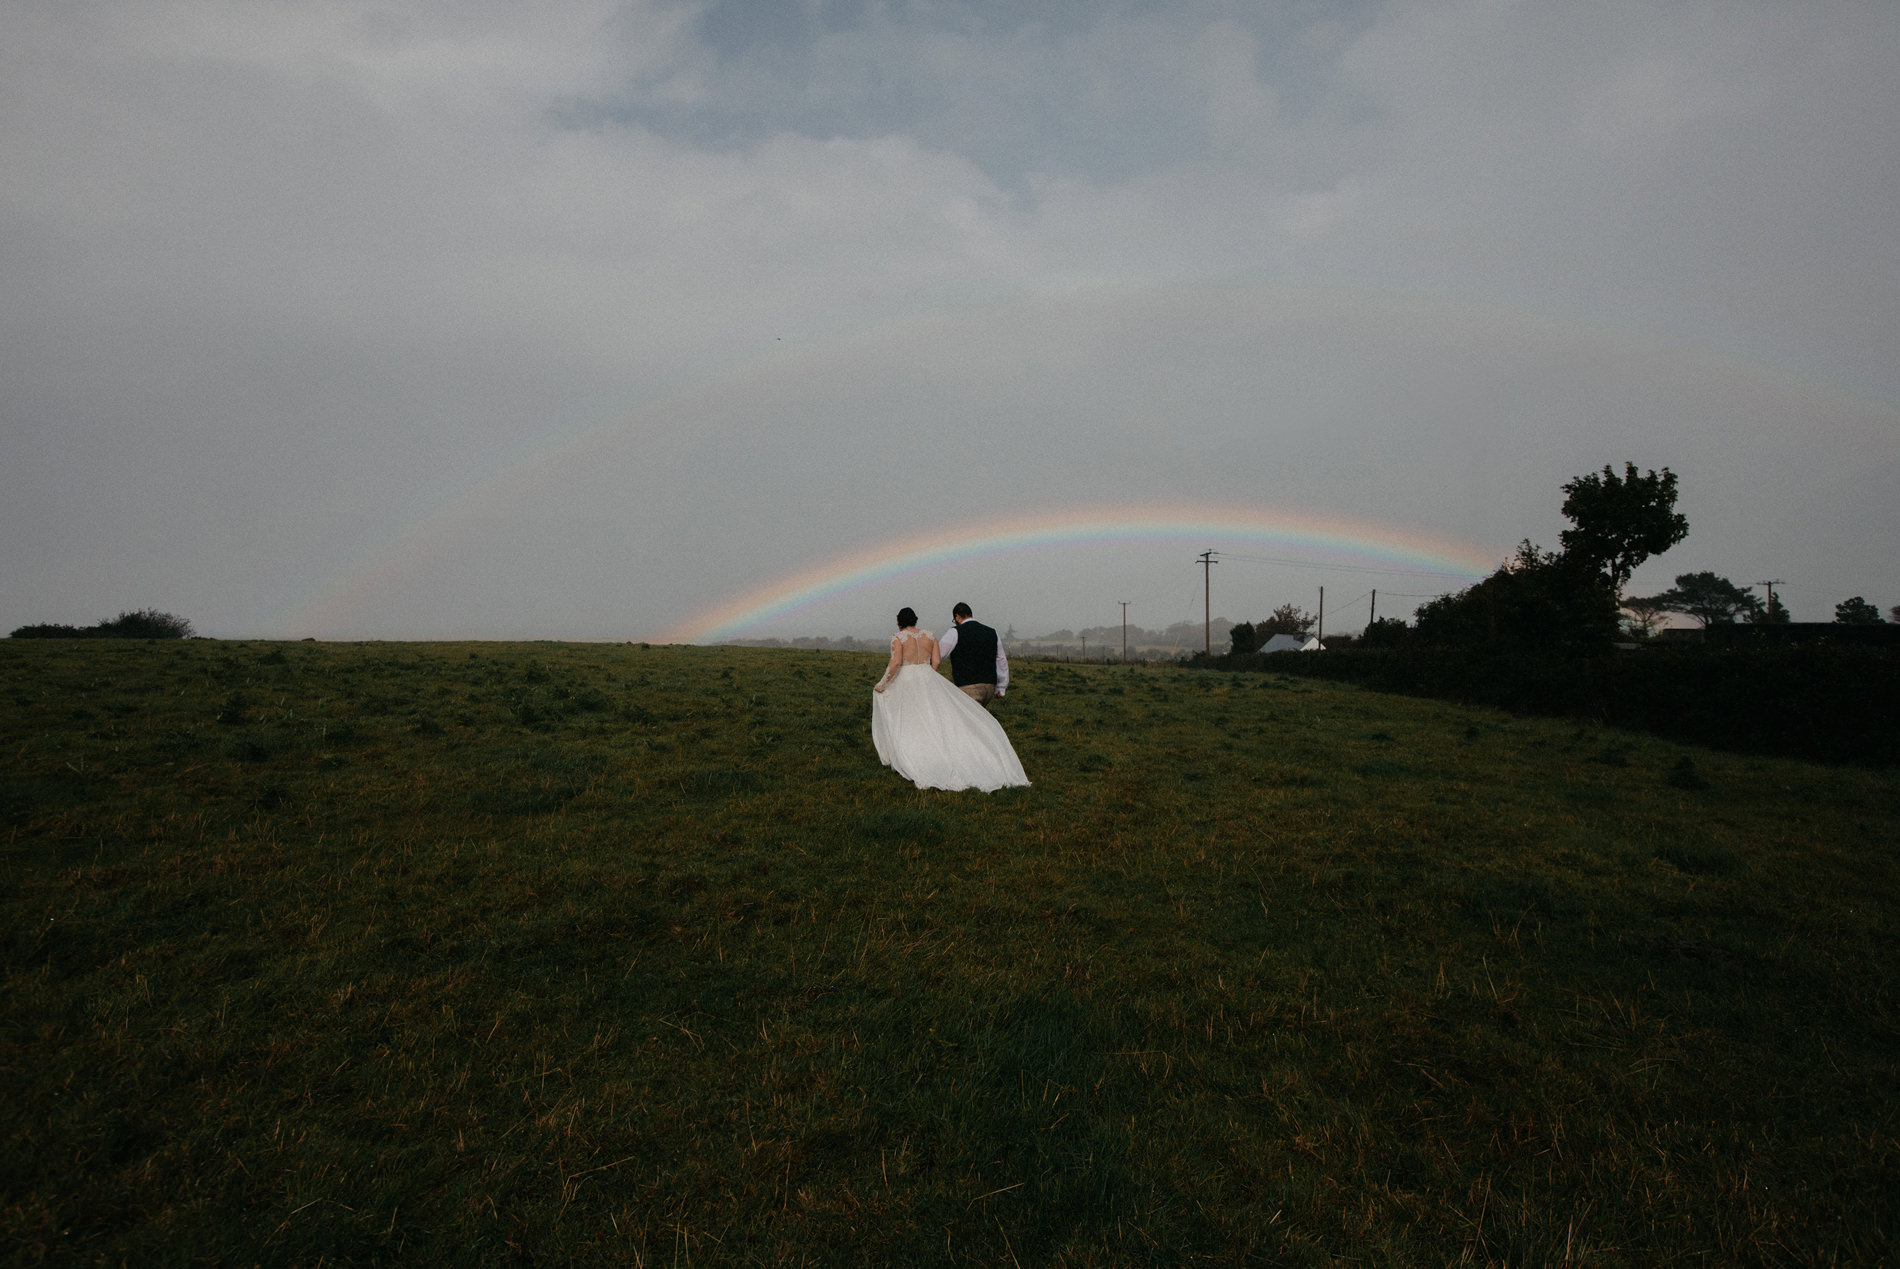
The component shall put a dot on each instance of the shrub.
(146, 623)
(1830, 702)
(1385, 632)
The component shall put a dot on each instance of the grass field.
(510, 953)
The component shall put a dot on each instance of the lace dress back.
(914, 645)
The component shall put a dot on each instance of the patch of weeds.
(14, 806)
(1611, 756)
(900, 827)
(1684, 775)
(1383, 769)
(1593, 795)
(722, 781)
(338, 733)
(542, 797)
(258, 746)
(535, 712)
(426, 725)
(235, 709)
(1698, 863)
(1671, 948)
(1489, 897)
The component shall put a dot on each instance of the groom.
(977, 663)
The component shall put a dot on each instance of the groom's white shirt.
(948, 643)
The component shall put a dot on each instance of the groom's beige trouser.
(981, 693)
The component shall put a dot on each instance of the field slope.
(485, 953)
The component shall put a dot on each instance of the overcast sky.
(574, 319)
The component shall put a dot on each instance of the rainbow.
(1360, 545)
(326, 602)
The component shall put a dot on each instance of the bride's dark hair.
(906, 618)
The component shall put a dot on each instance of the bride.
(931, 732)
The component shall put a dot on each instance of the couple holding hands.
(937, 735)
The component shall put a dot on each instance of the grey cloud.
(282, 282)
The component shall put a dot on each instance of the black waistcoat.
(973, 660)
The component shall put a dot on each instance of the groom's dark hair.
(962, 610)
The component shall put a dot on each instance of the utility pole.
(1207, 600)
(1372, 618)
(1124, 604)
(1771, 593)
(1319, 632)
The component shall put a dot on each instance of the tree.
(1710, 600)
(1245, 640)
(1287, 619)
(1621, 521)
(1856, 612)
(1775, 614)
(1385, 632)
(1537, 598)
(1645, 615)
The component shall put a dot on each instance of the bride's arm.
(897, 659)
(935, 655)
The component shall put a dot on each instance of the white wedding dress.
(928, 731)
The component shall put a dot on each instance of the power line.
(1343, 568)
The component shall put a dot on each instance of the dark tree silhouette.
(1775, 614)
(1287, 619)
(1385, 632)
(1245, 640)
(1710, 600)
(1856, 612)
(1645, 615)
(1537, 598)
(1620, 521)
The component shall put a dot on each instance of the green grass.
(483, 953)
